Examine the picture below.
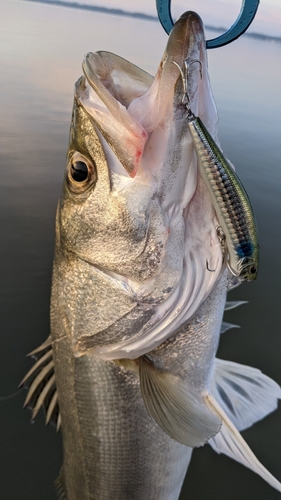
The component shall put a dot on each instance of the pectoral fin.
(230, 442)
(182, 414)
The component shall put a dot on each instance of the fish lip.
(187, 34)
(100, 69)
(186, 39)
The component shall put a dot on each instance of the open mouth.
(141, 122)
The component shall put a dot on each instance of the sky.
(215, 13)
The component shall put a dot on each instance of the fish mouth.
(142, 121)
(125, 101)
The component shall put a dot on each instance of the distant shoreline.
(146, 17)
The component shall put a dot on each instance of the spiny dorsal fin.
(42, 347)
(227, 326)
(244, 393)
(228, 306)
(41, 383)
(183, 415)
(230, 442)
(232, 304)
(59, 484)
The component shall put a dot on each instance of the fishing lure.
(238, 230)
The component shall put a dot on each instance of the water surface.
(41, 51)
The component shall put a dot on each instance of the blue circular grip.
(242, 23)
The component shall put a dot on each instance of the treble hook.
(242, 23)
(208, 269)
(184, 76)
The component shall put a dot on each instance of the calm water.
(41, 52)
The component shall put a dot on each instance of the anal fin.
(182, 414)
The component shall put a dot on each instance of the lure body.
(238, 231)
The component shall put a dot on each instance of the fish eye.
(81, 173)
(253, 270)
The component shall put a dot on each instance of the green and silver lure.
(238, 230)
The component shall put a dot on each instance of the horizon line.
(139, 15)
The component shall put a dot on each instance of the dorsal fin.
(59, 484)
(229, 305)
(232, 304)
(241, 395)
(41, 384)
(230, 442)
(244, 393)
(227, 326)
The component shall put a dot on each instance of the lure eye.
(81, 173)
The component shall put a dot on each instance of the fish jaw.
(142, 219)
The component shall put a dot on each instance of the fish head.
(134, 209)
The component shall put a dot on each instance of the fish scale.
(108, 454)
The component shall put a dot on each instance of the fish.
(129, 372)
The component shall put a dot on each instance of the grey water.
(41, 50)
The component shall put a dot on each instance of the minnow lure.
(238, 230)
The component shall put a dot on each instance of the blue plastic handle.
(242, 23)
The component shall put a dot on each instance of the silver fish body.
(129, 371)
(112, 448)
